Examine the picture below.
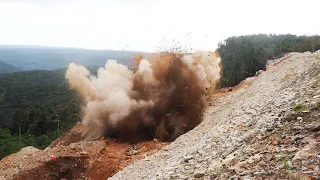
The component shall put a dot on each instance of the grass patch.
(299, 107)
(285, 163)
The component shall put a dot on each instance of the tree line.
(243, 56)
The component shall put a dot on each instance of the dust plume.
(162, 98)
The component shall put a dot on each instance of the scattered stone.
(299, 118)
(199, 173)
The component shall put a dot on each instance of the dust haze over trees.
(36, 107)
(243, 56)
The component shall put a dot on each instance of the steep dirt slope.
(269, 130)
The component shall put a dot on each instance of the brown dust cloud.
(162, 98)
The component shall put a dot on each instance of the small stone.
(228, 151)
(187, 158)
(313, 166)
(261, 163)
(83, 153)
(181, 176)
(215, 165)
(213, 176)
(299, 118)
(214, 153)
(199, 173)
(314, 126)
(257, 157)
(201, 152)
(257, 173)
(245, 173)
(297, 128)
(254, 158)
(250, 161)
(170, 168)
(269, 129)
(316, 97)
(234, 177)
(290, 150)
(170, 172)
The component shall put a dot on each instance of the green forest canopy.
(243, 56)
(36, 104)
(36, 107)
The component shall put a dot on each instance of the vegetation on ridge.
(243, 56)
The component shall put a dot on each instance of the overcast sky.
(150, 25)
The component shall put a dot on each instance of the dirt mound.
(91, 159)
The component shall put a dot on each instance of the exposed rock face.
(249, 132)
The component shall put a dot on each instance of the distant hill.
(5, 68)
(50, 58)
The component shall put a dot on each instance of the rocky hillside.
(267, 130)
(268, 127)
